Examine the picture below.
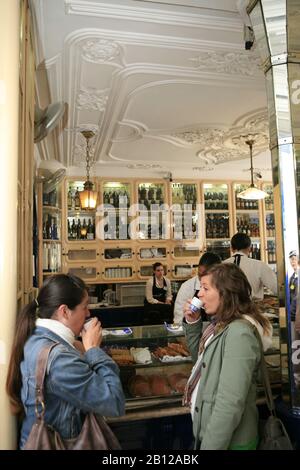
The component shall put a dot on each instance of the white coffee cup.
(196, 305)
(87, 324)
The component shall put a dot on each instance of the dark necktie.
(237, 259)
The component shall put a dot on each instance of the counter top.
(149, 413)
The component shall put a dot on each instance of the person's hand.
(190, 316)
(168, 301)
(92, 337)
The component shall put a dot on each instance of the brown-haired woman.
(221, 390)
(158, 301)
(75, 383)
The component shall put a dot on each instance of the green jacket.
(225, 410)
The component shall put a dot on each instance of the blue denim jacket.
(75, 384)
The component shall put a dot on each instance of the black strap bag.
(94, 435)
(272, 433)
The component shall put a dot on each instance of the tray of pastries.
(157, 385)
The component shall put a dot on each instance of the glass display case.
(118, 272)
(152, 214)
(217, 223)
(180, 251)
(81, 254)
(269, 225)
(80, 224)
(132, 229)
(117, 253)
(183, 271)
(184, 211)
(154, 362)
(87, 273)
(50, 231)
(221, 247)
(116, 204)
(145, 271)
(247, 219)
(153, 252)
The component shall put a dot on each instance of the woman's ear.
(62, 313)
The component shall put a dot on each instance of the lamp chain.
(88, 135)
(250, 143)
(87, 160)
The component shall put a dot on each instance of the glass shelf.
(150, 194)
(116, 195)
(215, 196)
(117, 253)
(184, 195)
(243, 204)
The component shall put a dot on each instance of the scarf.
(196, 372)
(58, 328)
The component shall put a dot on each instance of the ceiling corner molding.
(160, 16)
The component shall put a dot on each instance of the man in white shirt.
(191, 287)
(259, 274)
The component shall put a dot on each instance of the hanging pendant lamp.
(252, 193)
(88, 197)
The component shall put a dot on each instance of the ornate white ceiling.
(165, 85)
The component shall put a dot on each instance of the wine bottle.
(77, 200)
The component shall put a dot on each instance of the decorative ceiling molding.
(232, 63)
(218, 145)
(144, 166)
(127, 38)
(92, 99)
(101, 50)
(225, 22)
(130, 131)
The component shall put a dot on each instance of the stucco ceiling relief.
(241, 63)
(101, 50)
(92, 99)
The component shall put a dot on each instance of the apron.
(159, 293)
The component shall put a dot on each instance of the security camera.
(168, 177)
(248, 37)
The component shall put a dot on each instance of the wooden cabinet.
(137, 223)
(217, 218)
(50, 229)
(269, 227)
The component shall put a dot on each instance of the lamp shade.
(88, 197)
(252, 193)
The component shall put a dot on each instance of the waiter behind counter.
(159, 301)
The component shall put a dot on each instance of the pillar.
(277, 34)
(9, 130)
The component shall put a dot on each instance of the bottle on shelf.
(77, 200)
(90, 231)
(71, 202)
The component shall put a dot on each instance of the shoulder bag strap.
(40, 373)
(264, 372)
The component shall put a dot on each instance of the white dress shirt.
(186, 292)
(259, 275)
